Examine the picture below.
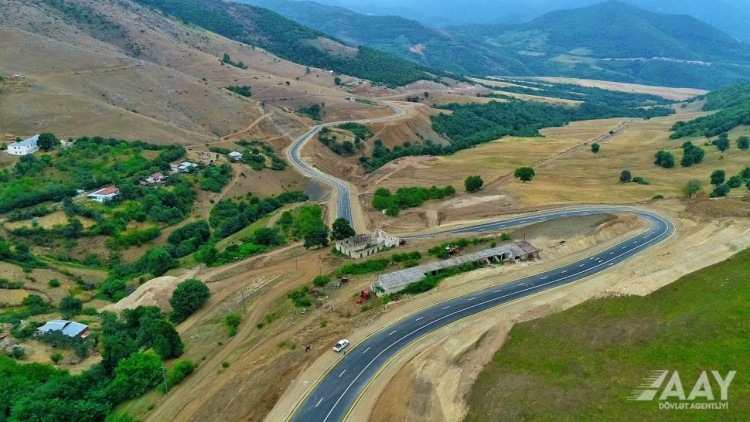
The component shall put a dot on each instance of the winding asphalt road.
(343, 195)
(335, 394)
(339, 390)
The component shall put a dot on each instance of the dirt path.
(604, 137)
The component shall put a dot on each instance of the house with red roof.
(105, 194)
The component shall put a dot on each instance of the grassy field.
(583, 363)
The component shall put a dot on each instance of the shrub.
(54, 283)
(473, 183)
(179, 371)
(595, 147)
(232, 321)
(321, 280)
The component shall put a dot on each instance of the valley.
(201, 168)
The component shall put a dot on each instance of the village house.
(186, 167)
(29, 146)
(235, 156)
(69, 328)
(104, 195)
(156, 178)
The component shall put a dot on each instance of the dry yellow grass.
(678, 94)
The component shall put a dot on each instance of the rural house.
(29, 146)
(155, 178)
(69, 328)
(186, 167)
(235, 156)
(105, 194)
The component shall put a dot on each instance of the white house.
(28, 146)
(104, 194)
(235, 156)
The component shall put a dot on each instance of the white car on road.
(341, 345)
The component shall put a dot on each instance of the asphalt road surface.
(343, 201)
(337, 392)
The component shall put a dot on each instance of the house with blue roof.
(28, 146)
(69, 328)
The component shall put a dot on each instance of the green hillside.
(733, 101)
(289, 40)
(410, 39)
(611, 41)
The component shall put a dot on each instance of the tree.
(664, 159)
(721, 190)
(722, 143)
(226, 58)
(159, 261)
(473, 183)
(267, 237)
(718, 177)
(337, 80)
(187, 298)
(70, 306)
(56, 358)
(734, 182)
(525, 174)
(317, 236)
(743, 143)
(162, 336)
(691, 187)
(47, 141)
(341, 229)
(134, 376)
(595, 147)
(625, 176)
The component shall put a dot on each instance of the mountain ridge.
(612, 40)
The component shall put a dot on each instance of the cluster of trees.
(627, 177)
(345, 148)
(228, 60)
(312, 112)
(251, 155)
(664, 159)
(691, 154)
(228, 217)
(722, 185)
(341, 229)
(733, 101)
(358, 130)
(214, 178)
(132, 348)
(188, 238)
(244, 90)
(20, 254)
(407, 197)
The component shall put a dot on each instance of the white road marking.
(581, 265)
(419, 318)
(471, 298)
(564, 271)
(392, 332)
(496, 291)
(544, 277)
(321, 399)
(366, 350)
(342, 373)
(611, 253)
(447, 307)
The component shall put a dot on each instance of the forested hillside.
(472, 124)
(733, 101)
(289, 40)
(611, 41)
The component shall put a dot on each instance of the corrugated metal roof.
(27, 142)
(69, 328)
(105, 191)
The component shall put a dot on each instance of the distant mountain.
(611, 40)
(421, 43)
(732, 16)
(291, 41)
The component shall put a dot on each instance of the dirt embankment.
(431, 383)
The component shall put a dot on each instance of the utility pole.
(164, 375)
(244, 310)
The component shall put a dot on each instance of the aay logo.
(703, 388)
